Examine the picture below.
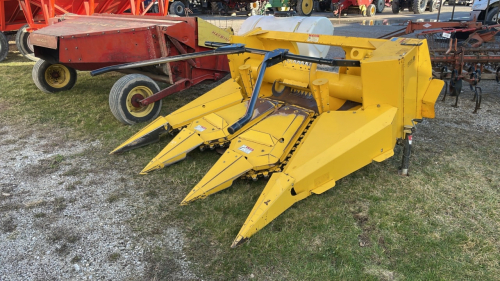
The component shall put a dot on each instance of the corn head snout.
(302, 122)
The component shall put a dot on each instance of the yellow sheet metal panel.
(410, 86)
(230, 166)
(175, 151)
(339, 143)
(138, 137)
(267, 141)
(340, 41)
(210, 32)
(214, 126)
(273, 201)
(424, 74)
(430, 97)
(222, 96)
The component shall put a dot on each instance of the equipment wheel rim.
(57, 76)
(132, 102)
(307, 6)
(372, 9)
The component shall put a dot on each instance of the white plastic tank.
(310, 25)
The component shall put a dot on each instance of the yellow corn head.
(290, 118)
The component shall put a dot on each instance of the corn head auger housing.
(297, 121)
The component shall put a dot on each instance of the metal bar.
(453, 11)
(276, 54)
(228, 50)
(156, 77)
(181, 50)
(330, 62)
(439, 10)
(406, 154)
(172, 89)
(161, 60)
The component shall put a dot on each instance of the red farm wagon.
(25, 16)
(69, 45)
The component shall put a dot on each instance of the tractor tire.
(215, 7)
(177, 8)
(492, 16)
(419, 6)
(433, 6)
(304, 7)
(53, 78)
(124, 97)
(316, 6)
(395, 6)
(380, 5)
(371, 10)
(320, 6)
(4, 46)
(22, 43)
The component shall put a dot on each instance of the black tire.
(215, 7)
(177, 8)
(4, 46)
(371, 10)
(432, 5)
(491, 17)
(419, 6)
(22, 43)
(124, 95)
(395, 6)
(53, 78)
(304, 7)
(380, 5)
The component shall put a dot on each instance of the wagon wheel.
(395, 6)
(52, 78)
(371, 10)
(419, 6)
(177, 8)
(304, 7)
(492, 16)
(125, 97)
(22, 43)
(380, 5)
(4, 46)
(433, 5)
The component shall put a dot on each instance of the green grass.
(441, 223)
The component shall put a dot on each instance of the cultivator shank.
(281, 117)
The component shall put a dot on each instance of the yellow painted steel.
(259, 148)
(139, 92)
(324, 124)
(210, 130)
(210, 32)
(57, 76)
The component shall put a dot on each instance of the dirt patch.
(63, 214)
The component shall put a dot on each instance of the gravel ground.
(57, 224)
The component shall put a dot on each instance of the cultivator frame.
(456, 46)
(282, 118)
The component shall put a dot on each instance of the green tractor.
(301, 7)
